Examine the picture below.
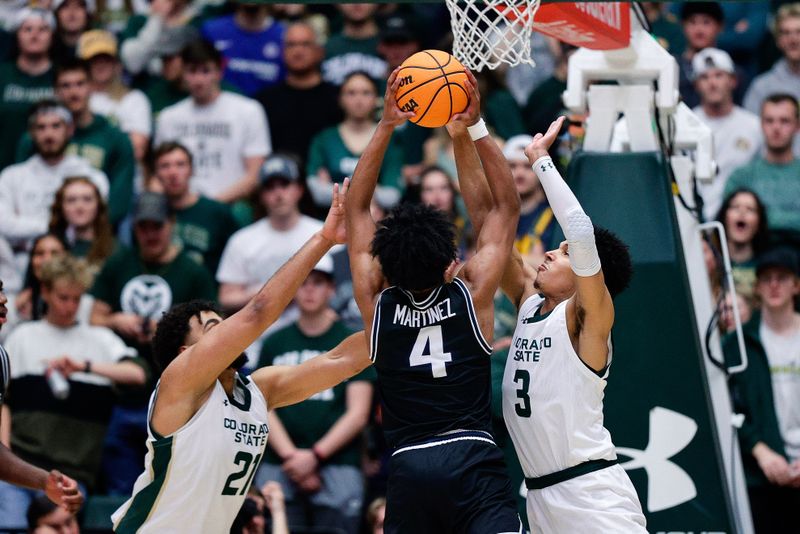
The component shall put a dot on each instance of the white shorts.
(601, 502)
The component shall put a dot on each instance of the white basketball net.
(490, 32)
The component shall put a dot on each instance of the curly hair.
(414, 245)
(615, 260)
(173, 328)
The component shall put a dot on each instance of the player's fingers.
(343, 189)
(471, 77)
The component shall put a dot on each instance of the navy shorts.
(455, 483)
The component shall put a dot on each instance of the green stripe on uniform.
(145, 500)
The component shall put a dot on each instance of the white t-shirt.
(27, 191)
(737, 138)
(131, 114)
(33, 344)
(254, 254)
(220, 136)
(783, 354)
(13, 320)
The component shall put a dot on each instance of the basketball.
(432, 84)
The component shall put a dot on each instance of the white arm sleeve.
(577, 226)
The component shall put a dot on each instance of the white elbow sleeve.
(579, 232)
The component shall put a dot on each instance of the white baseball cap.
(711, 58)
(325, 265)
(32, 12)
(514, 149)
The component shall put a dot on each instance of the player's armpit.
(285, 385)
(590, 316)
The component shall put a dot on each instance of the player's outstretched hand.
(392, 114)
(472, 114)
(63, 491)
(334, 228)
(542, 142)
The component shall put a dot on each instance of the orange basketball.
(432, 84)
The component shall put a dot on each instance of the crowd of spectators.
(157, 152)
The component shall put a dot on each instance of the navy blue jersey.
(432, 362)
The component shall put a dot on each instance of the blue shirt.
(254, 60)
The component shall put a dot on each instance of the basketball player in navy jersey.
(430, 343)
(559, 361)
(59, 488)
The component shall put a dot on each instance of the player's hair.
(615, 260)
(71, 65)
(173, 327)
(170, 146)
(414, 245)
(761, 238)
(777, 98)
(200, 52)
(66, 267)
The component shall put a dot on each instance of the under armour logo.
(667, 484)
(225, 402)
(547, 165)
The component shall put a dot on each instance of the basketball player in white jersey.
(207, 424)
(558, 363)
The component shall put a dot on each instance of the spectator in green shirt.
(202, 225)
(356, 47)
(314, 446)
(775, 176)
(26, 80)
(95, 139)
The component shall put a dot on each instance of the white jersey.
(552, 401)
(196, 479)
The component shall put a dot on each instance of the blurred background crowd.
(153, 152)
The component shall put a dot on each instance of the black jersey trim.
(424, 303)
(473, 318)
(376, 321)
(5, 373)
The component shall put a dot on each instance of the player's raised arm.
(590, 312)
(367, 281)
(474, 160)
(284, 385)
(197, 367)
(495, 237)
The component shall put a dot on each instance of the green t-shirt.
(18, 93)
(106, 148)
(344, 55)
(329, 151)
(128, 284)
(307, 421)
(202, 231)
(778, 187)
(80, 248)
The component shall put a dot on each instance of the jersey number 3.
(523, 378)
(430, 338)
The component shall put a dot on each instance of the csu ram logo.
(667, 484)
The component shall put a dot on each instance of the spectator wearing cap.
(73, 17)
(62, 427)
(202, 225)
(736, 131)
(165, 30)
(303, 89)
(536, 222)
(767, 393)
(95, 139)
(254, 253)
(355, 48)
(774, 175)
(28, 189)
(27, 79)
(132, 291)
(314, 450)
(785, 74)
(702, 23)
(127, 109)
(227, 133)
(250, 40)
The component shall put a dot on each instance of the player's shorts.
(454, 483)
(599, 502)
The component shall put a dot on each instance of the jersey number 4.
(430, 338)
(246, 461)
